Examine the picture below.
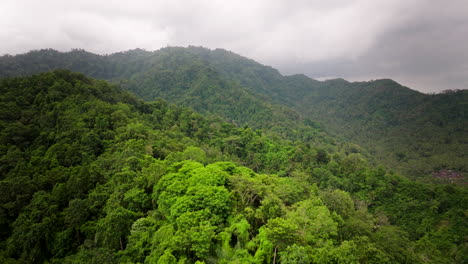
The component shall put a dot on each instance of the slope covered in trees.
(413, 133)
(90, 174)
(176, 75)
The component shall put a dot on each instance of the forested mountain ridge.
(412, 132)
(174, 74)
(91, 174)
(180, 77)
(415, 134)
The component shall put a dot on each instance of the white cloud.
(378, 37)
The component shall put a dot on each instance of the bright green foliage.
(140, 239)
(313, 220)
(296, 254)
(281, 232)
(338, 201)
(167, 258)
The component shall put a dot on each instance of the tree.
(281, 233)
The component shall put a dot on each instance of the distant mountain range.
(414, 133)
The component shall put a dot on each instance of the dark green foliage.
(90, 174)
(416, 134)
(412, 132)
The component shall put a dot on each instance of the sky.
(421, 44)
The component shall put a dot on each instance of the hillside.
(176, 75)
(412, 133)
(91, 174)
(409, 131)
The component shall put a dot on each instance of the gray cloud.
(419, 43)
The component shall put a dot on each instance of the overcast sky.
(420, 43)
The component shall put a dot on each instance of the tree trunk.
(274, 256)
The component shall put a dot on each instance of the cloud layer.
(420, 43)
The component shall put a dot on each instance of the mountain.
(173, 74)
(413, 133)
(409, 131)
(89, 173)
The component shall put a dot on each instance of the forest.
(414, 134)
(187, 155)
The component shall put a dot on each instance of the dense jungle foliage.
(415, 134)
(91, 174)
